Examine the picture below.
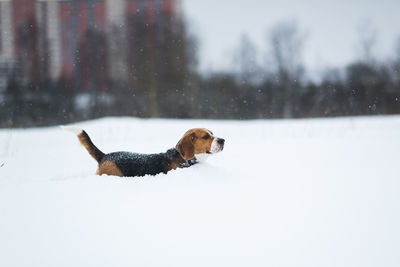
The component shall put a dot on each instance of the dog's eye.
(207, 136)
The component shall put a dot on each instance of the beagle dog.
(195, 145)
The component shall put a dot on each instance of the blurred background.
(69, 60)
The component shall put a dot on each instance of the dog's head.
(199, 141)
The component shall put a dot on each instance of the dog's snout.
(221, 141)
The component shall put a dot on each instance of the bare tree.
(286, 44)
(396, 63)
(367, 42)
(397, 50)
(245, 61)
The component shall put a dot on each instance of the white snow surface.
(315, 192)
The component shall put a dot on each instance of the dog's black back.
(136, 164)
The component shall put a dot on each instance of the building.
(84, 41)
(6, 42)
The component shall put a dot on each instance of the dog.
(195, 146)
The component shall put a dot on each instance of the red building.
(76, 39)
(25, 49)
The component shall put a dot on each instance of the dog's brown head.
(199, 141)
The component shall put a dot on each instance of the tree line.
(158, 77)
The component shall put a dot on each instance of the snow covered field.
(282, 193)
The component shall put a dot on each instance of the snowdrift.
(282, 193)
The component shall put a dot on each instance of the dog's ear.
(185, 146)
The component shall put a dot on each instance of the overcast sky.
(331, 27)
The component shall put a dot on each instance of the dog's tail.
(84, 139)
